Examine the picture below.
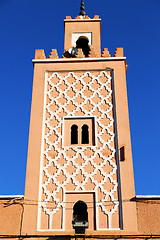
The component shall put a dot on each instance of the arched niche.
(83, 43)
(74, 134)
(85, 134)
(80, 213)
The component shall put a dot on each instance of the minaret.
(79, 170)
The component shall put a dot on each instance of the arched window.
(82, 42)
(80, 213)
(74, 134)
(85, 134)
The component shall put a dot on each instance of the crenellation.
(105, 53)
(80, 53)
(118, 52)
(39, 54)
(93, 53)
(78, 17)
(68, 17)
(96, 17)
(86, 17)
(53, 54)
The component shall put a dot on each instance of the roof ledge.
(11, 197)
(147, 197)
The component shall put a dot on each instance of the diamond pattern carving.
(86, 168)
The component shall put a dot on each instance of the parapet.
(105, 53)
(53, 54)
(93, 53)
(118, 52)
(39, 54)
(82, 17)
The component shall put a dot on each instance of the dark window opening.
(80, 213)
(80, 217)
(122, 153)
(82, 42)
(85, 134)
(74, 134)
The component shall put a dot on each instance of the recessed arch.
(83, 43)
(80, 213)
(79, 131)
(85, 134)
(74, 134)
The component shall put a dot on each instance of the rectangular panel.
(82, 168)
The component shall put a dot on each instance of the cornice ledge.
(147, 196)
(48, 60)
(83, 20)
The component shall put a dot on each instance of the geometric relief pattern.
(83, 168)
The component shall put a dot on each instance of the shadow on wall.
(59, 238)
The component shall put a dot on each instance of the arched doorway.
(80, 217)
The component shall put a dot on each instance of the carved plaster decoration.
(78, 168)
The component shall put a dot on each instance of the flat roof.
(83, 20)
(147, 196)
(10, 196)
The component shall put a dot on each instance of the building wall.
(11, 214)
(83, 26)
(87, 172)
(83, 89)
(39, 123)
(148, 212)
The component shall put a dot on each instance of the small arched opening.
(85, 134)
(74, 134)
(82, 42)
(80, 217)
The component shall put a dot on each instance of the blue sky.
(28, 25)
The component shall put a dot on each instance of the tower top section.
(82, 39)
(82, 8)
(83, 33)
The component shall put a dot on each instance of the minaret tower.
(79, 169)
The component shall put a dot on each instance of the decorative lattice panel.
(84, 168)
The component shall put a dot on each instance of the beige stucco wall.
(82, 167)
(148, 212)
(35, 138)
(82, 26)
(10, 217)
